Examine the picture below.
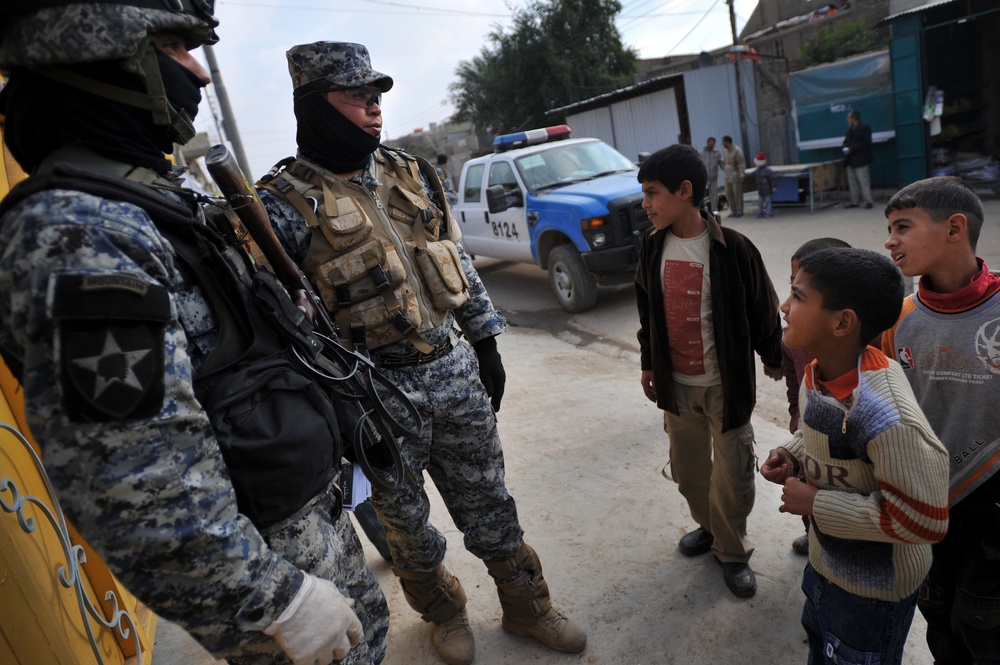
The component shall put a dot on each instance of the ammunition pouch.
(441, 268)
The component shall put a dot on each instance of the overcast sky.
(418, 42)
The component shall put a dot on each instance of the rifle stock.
(245, 202)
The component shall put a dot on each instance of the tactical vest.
(280, 432)
(385, 272)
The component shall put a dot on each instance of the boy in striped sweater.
(877, 476)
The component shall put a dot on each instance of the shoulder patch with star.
(110, 328)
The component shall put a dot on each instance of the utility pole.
(740, 103)
(228, 119)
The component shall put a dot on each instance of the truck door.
(510, 237)
(476, 233)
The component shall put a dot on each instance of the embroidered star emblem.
(113, 366)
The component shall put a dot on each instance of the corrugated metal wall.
(641, 124)
(650, 122)
(647, 123)
(713, 108)
(595, 123)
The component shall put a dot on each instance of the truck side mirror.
(515, 199)
(496, 199)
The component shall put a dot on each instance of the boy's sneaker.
(760, 216)
(768, 216)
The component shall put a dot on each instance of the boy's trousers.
(713, 470)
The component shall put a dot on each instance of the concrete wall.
(788, 42)
(774, 111)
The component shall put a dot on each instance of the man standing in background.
(735, 166)
(445, 177)
(857, 157)
(712, 157)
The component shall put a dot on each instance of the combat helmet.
(44, 35)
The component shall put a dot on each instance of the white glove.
(319, 625)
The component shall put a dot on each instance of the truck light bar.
(531, 137)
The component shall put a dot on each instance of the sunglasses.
(364, 97)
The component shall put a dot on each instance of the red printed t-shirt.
(687, 303)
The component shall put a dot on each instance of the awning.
(899, 8)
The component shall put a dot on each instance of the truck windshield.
(576, 162)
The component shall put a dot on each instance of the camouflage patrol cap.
(80, 31)
(333, 64)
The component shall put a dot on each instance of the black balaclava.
(326, 136)
(42, 115)
(183, 87)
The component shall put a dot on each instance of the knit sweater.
(882, 476)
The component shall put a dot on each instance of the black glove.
(491, 371)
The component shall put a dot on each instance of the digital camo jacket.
(109, 331)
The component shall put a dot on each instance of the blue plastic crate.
(787, 190)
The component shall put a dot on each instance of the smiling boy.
(706, 305)
(948, 342)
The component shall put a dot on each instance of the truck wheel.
(575, 288)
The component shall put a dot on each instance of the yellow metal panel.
(42, 615)
(41, 619)
(6, 655)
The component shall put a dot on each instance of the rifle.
(348, 374)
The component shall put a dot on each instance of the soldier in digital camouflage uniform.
(106, 332)
(371, 229)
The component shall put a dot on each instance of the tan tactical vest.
(380, 263)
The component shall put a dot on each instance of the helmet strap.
(154, 100)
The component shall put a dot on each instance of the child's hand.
(648, 389)
(797, 497)
(774, 373)
(779, 466)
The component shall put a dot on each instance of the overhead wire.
(694, 27)
(627, 21)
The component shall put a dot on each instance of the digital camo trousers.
(459, 447)
(325, 545)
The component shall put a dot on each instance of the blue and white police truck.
(570, 206)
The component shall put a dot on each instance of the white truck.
(571, 206)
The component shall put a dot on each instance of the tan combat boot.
(440, 599)
(527, 609)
